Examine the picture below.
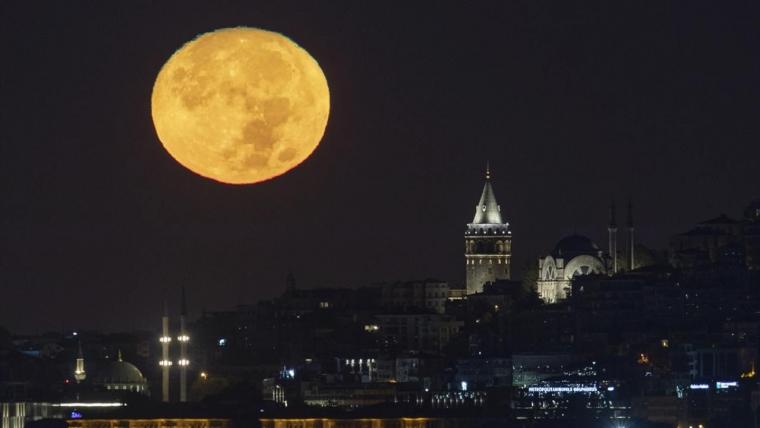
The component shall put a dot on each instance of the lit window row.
(480, 261)
(183, 362)
(165, 363)
(165, 339)
(183, 338)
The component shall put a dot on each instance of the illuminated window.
(324, 305)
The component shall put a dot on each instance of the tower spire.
(612, 230)
(183, 303)
(631, 243)
(488, 210)
(290, 281)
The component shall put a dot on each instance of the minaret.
(631, 252)
(79, 373)
(488, 242)
(183, 361)
(165, 362)
(612, 229)
(290, 283)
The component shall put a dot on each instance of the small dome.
(120, 372)
(575, 245)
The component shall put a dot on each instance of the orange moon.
(240, 105)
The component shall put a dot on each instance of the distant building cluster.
(624, 334)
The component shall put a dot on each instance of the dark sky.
(573, 104)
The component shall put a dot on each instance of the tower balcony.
(500, 230)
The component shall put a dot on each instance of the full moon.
(240, 105)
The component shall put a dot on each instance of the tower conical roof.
(488, 210)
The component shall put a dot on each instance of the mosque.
(119, 377)
(488, 252)
(116, 377)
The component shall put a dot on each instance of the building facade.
(573, 256)
(428, 295)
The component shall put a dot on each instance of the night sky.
(573, 104)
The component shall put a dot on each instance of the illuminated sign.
(699, 386)
(726, 385)
(578, 388)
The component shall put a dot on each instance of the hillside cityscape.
(617, 334)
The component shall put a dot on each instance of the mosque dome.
(575, 245)
(121, 375)
(121, 372)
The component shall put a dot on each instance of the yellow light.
(240, 105)
(204, 375)
(750, 374)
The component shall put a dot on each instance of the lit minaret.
(612, 229)
(79, 373)
(183, 362)
(165, 362)
(631, 256)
